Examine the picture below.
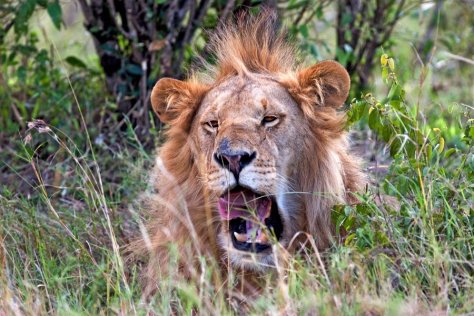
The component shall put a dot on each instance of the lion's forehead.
(247, 97)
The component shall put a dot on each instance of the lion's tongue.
(244, 204)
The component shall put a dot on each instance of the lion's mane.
(179, 207)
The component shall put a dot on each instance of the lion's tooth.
(262, 238)
(240, 237)
(269, 209)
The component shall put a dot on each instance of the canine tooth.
(269, 210)
(262, 239)
(240, 237)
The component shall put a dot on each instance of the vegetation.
(73, 161)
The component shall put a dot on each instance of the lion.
(256, 152)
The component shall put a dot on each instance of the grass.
(67, 211)
(62, 261)
(61, 238)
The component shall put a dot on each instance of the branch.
(339, 29)
(193, 24)
(225, 14)
(429, 32)
(86, 12)
(124, 21)
(393, 22)
(301, 14)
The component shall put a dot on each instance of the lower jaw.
(250, 243)
(264, 237)
(247, 260)
(250, 261)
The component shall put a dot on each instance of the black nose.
(234, 161)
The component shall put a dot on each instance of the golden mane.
(257, 44)
(252, 44)
(182, 208)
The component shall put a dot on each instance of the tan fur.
(303, 160)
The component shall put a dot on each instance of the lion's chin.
(246, 260)
(252, 262)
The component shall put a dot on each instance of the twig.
(459, 58)
(17, 115)
(301, 14)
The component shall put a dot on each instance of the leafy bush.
(428, 235)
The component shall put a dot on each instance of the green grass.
(62, 238)
(63, 261)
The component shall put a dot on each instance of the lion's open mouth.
(254, 220)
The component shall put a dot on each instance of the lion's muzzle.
(232, 159)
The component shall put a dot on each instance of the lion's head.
(257, 151)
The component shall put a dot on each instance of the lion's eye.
(211, 125)
(270, 120)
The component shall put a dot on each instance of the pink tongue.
(244, 204)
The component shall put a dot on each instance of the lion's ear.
(324, 84)
(173, 98)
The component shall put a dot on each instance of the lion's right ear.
(327, 83)
(324, 85)
(173, 98)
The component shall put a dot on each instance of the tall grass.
(60, 245)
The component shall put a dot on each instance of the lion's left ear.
(325, 84)
(172, 99)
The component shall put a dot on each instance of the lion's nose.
(233, 161)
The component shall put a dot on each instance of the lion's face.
(245, 133)
(264, 149)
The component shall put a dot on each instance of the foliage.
(18, 13)
(35, 85)
(140, 41)
(433, 219)
(362, 28)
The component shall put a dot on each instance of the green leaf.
(134, 69)
(469, 131)
(410, 149)
(384, 73)
(374, 120)
(386, 132)
(395, 92)
(396, 104)
(25, 11)
(313, 49)
(349, 239)
(418, 137)
(346, 19)
(441, 145)
(449, 152)
(341, 56)
(55, 13)
(304, 31)
(429, 151)
(395, 146)
(21, 72)
(76, 62)
(295, 5)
